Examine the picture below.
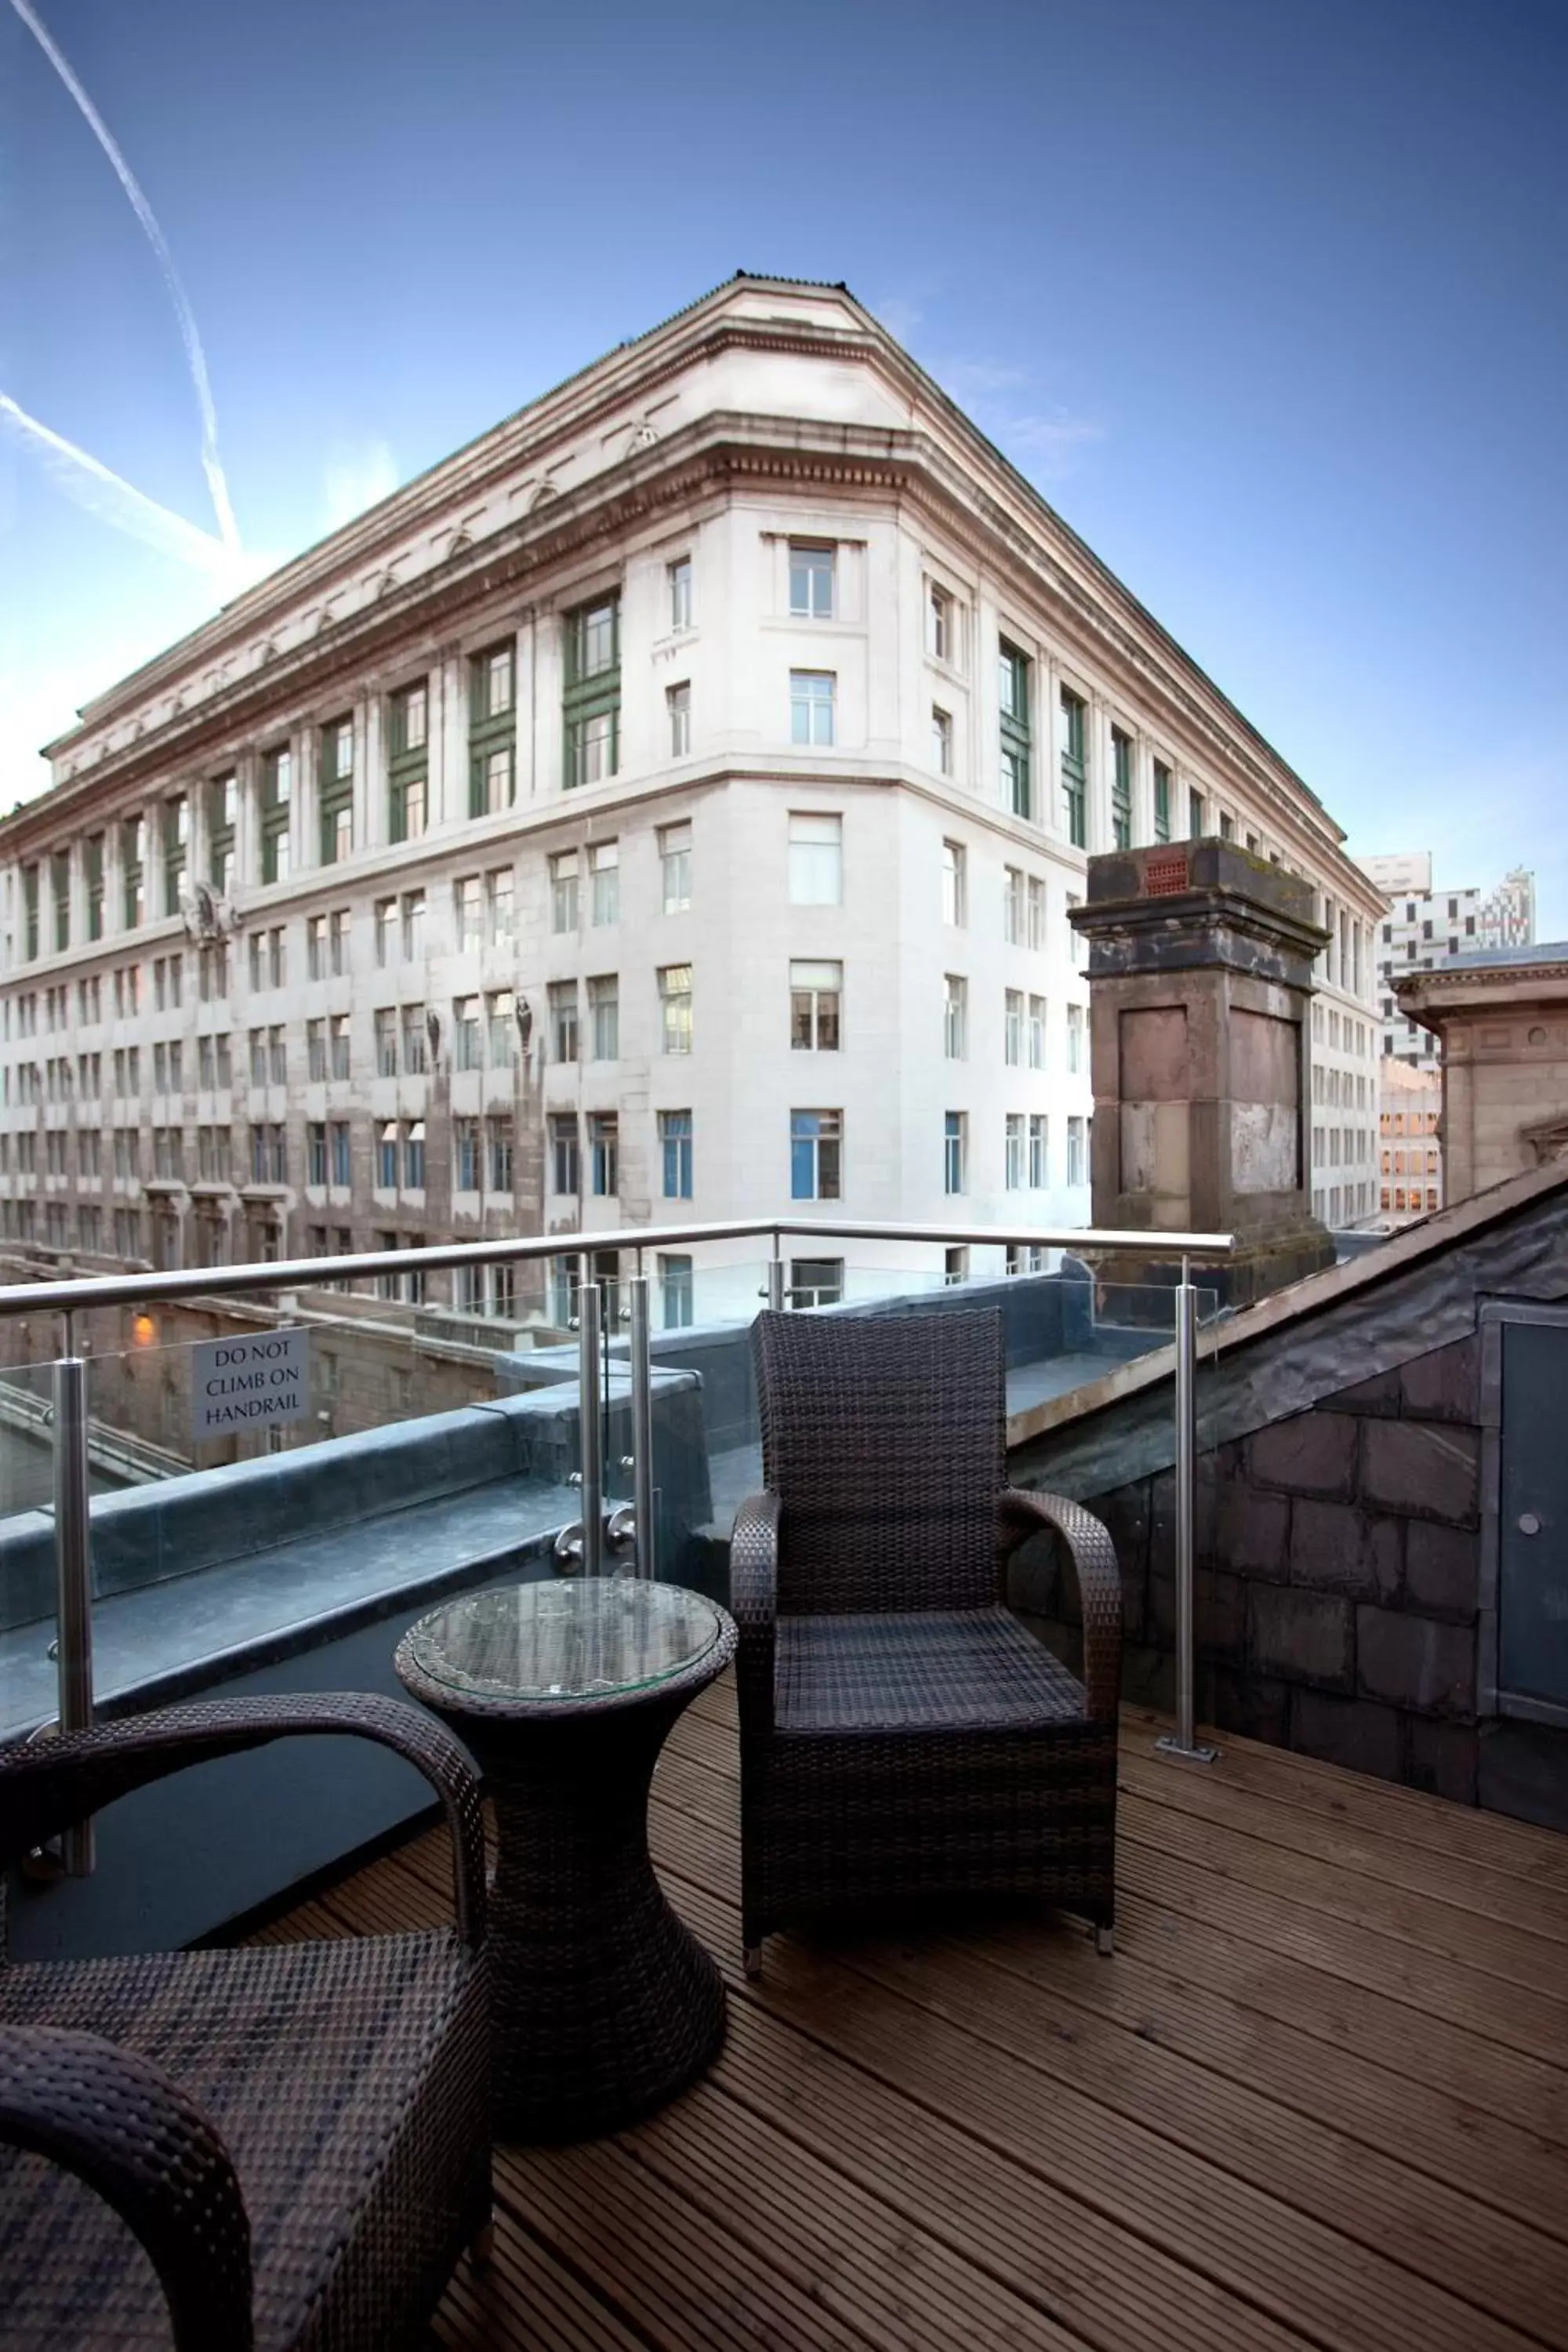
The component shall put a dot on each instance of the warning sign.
(240, 1382)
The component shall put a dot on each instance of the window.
(590, 701)
(563, 1021)
(467, 1052)
(677, 703)
(1121, 789)
(811, 575)
(269, 1155)
(1013, 1026)
(492, 731)
(338, 1039)
(467, 899)
(940, 642)
(1014, 1167)
(385, 1024)
(386, 1168)
(1036, 912)
(815, 1281)
(942, 741)
(338, 937)
(815, 860)
(275, 802)
(1037, 1033)
(675, 867)
(334, 798)
(133, 864)
(30, 901)
(385, 928)
(1039, 1157)
(565, 1173)
(1161, 802)
(954, 883)
(1077, 1170)
(1079, 944)
(678, 576)
(175, 826)
(811, 697)
(499, 1152)
(605, 874)
(212, 974)
(1075, 1029)
(60, 895)
(1196, 817)
(955, 1017)
(341, 1165)
(605, 1017)
(675, 1008)
(564, 891)
(1013, 681)
(316, 948)
(816, 1147)
(501, 1028)
(955, 1151)
(500, 907)
(675, 1153)
(1013, 901)
(675, 1284)
(315, 1151)
(315, 1052)
(416, 1058)
(1075, 776)
(92, 864)
(603, 1155)
(258, 1058)
(466, 1155)
(408, 755)
(815, 991)
(413, 1159)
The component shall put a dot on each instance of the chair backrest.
(884, 1437)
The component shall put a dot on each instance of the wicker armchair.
(902, 1736)
(298, 2134)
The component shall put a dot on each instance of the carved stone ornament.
(205, 915)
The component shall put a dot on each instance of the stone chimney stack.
(1200, 974)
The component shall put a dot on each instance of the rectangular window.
(176, 832)
(815, 860)
(498, 1152)
(414, 1158)
(1077, 1022)
(386, 1168)
(409, 763)
(604, 875)
(604, 1016)
(1161, 802)
(1013, 905)
(675, 1282)
(338, 935)
(675, 867)
(315, 1052)
(341, 1163)
(815, 1281)
(564, 891)
(810, 579)
(566, 1171)
(955, 1017)
(258, 1058)
(1036, 912)
(492, 731)
(334, 796)
(467, 1050)
(1039, 1174)
(590, 701)
(469, 907)
(501, 1028)
(603, 1155)
(1079, 944)
(563, 1020)
(675, 1153)
(1075, 776)
(811, 706)
(132, 874)
(1121, 789)
(816, 993)
(60, 896)
(315, 1150)
(385, 1022)
(1077, 1170)
(1013, 1176)
(677, 703)
(1012, 1028)
(386, 931)
(466, 1155)
(316, 948)
(942, 741)
(416, 1058)
(1196, 816)
(338, 1040)
(275, 800)
(675, 1008)
(1013, 686)
(955, 1151)
(954, 883)
(678, 577)
(939, 623)
(1037, 1033)
(92, 862)
(816, 1149)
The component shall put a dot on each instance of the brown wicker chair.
(903, 1735)
(297, 2134)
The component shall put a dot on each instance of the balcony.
(1318, 2099)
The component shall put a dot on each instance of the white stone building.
(665, 809)
(1424, 930)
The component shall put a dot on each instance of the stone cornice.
(1415, 988)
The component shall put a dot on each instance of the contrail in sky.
(108, 495)
(212, 465)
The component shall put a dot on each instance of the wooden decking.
(1319, 2098)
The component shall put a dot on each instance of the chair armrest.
(48, 1784)
(1021, 1513)
(753, 1592)
(121, 2126)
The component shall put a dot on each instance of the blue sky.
(1271, 302)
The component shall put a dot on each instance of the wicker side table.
(605, 2003)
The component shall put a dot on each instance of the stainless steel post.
(1185, 1740)
(591, 1425)
(777, 1285)
(642, 1427)
(73, 1577)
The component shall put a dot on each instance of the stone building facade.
(666, 809)
(1410, 1141)
(1501, 1020)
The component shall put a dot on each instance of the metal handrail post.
(642, 1428)
(1184, 1742)
(73, 1579)
(590, 1425)
(777, 1285)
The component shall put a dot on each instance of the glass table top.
(573, 1638)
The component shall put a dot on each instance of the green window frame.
(29, 913)
(92, 862)
(492, 729)
(591, 703)
(1121, 789)
(223, 807)
(132, 871)
(408, 761)
(1161, 801)
(275, 812)
(1074, 773)
(60, 898)
(335, 790)
(1195, 816)
(174, 820)
(1013, 677)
